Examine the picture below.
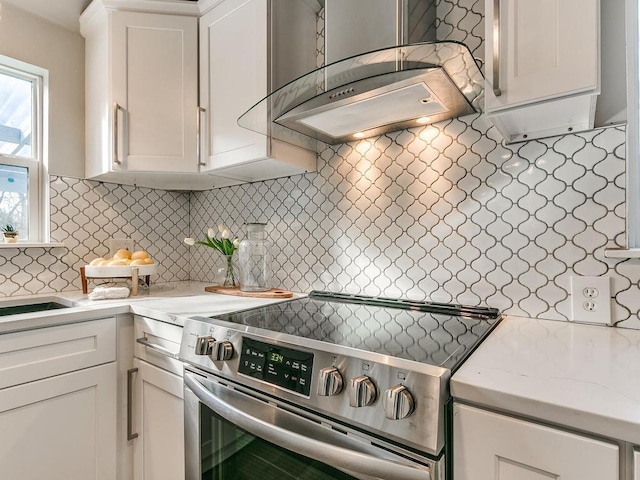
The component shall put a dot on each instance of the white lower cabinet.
(636, 465)
(60, 428)
(490, 446)
(158, 414)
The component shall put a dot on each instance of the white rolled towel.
(104, 293)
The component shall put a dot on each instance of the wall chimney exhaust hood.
(371, 94)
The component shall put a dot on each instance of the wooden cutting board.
(273, 293)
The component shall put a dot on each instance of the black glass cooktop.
(433, 333)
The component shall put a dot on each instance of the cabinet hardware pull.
(199, 136)
(158, 348)
(130, 434)
(116, 108)
(496, 48)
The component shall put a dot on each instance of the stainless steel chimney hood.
(371, 94)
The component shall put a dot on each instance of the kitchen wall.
(446, 212)
(84, 215)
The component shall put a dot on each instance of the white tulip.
(221, 227)
(236, 242)
(190, 241)
(211, 232)
(225, 233)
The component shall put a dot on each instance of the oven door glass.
(229, 453)
(232, 434)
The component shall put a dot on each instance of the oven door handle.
(262, 425)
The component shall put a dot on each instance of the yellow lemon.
(148, 261)
(97, 261)
(122, 253)
(137, 262)
(118, 262)
(139, 255)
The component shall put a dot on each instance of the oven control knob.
(330, 382)
(221, 350)
(362, 392)
(203, 345)
(398, 403)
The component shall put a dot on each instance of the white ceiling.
(62, 12)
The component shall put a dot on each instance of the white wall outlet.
(116, 244)
(591, 300)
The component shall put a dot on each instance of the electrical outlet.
(116, 244)
(591, 300)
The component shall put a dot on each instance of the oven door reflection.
(232, 435)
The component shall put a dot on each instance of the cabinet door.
(636, 465)
(544, 50)
(488, 446)
(154, 72)
(233, 76)
(159, 447)
(60, 428)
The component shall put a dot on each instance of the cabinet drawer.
(489, 446)
(162, 343)
(45, 352)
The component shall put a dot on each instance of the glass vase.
(254, 255)
(227, 275)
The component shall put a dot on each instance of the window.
(21, 152)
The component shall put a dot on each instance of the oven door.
(233, 435)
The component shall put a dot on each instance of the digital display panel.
(284, 367)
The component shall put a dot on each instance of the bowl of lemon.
(122, 265)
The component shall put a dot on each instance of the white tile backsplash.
(445, 213)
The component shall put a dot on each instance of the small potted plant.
(10, 233)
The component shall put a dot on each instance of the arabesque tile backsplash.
(445, 212)
(84, 215)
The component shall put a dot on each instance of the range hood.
(370, 94)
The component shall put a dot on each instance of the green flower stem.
(223, 245)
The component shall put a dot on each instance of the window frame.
(37, 163)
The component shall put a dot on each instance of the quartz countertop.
(582, 376)
(168, 302)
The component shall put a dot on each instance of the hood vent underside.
(371, 94)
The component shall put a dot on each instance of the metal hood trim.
(375, 92)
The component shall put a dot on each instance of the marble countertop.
(168, 302)
(581, 376)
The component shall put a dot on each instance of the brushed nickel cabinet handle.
(158, 348)
(199, 136)
(116, 108)
(496, 48)
(130, 434)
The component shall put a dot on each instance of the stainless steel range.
(329, 386)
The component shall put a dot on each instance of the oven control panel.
(285, 367)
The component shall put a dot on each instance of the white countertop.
(581, 376)
(168, 302)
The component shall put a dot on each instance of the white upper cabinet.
(142, 93)
(236, 71)
(154, 79)
(542, 66)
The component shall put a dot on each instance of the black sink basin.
(30, 308)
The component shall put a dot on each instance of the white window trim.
(38, 172)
